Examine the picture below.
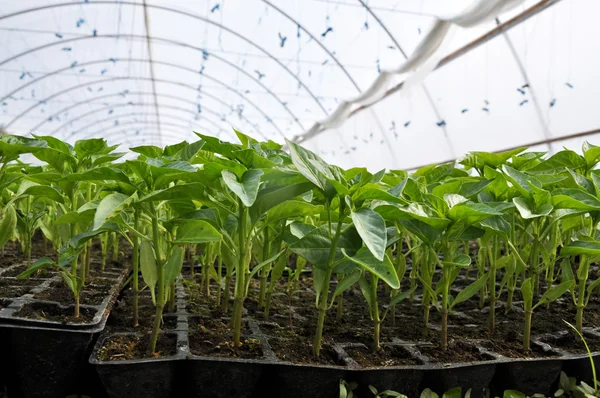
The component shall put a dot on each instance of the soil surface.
(55, 313)
(384, 357)
(126, 347)
(212, 337)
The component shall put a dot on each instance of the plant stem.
(263, 290)
(527, 330)
(160, 300)
(445, 288)
(219, 270)
(115, 253)
(227, 293)
(136, 268)
(324, 298)
(77, 305)
(240, 272)
(375, 311)
(492, 284)
(582, 274)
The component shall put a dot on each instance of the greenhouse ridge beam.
(149, 49)
(511, 23)
(528, 145)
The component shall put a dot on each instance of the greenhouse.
(299, 198)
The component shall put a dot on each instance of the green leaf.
(527, 211)
(470, 290)
(579, 247)
(577, 199)
(427, 393)
(262, 264)
(269, 198)
(148, 267)
(347, 281)
(311, 166)
(371, 228)
(292, 209)
(461, 260)
(471, 213)
(149, 151)
(42, 263)
(100, 174)
(591, 153)
(247, 188)
(11, 146)
(558, 163)
(110, 206)
(8, 224)
(423, 231)
(527, 291)
(456, 392)
(188, 152)
(513, 394)
(554, 293)
(496, 224)
(365, 289)
(44, 191)
(319, 279)
(174, 265)
(315, 245)
(402, 296)
(197, 231)
(417, 211)
(520, 180)
(384, 269)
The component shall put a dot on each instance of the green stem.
(492, 285)
(160, 300)
(527, 330)
(136, 269)
(219, 270)
(375, 311)
(445, 288)
(582, 274)
(240, 272)
(339, 308)
(77, 305)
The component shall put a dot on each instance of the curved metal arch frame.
(155, 134)
(56, 114)
(113, 118)
(132, 123)
(104, 108)
(185, 13)
(161, 80)
(140, 37)
(87, 84)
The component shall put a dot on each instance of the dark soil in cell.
(53, 312)
(62, 294)
(300, 352)
(211, 337)
(19, 282)
(572, 343)
(385, 356)
(42, 274)
(514, 349)
(455, 353)
(13, 291)
(127, 347)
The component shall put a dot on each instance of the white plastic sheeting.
(272, 68)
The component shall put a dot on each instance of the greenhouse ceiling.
(377, 83)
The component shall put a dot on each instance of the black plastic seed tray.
(26, 290)
(272, 376)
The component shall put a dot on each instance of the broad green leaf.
(427, 393)
(384, 269)
(90, 146)
(44, 191)
(559, 162)
(579, 247)
(197, 231)
(292, 209)
(460, 260)
(365, 289)
(496, 224)
(480, 159)
(527, 211)
(148, 267)
(149, 151)
(415, 211)
(453, 199)
(100, 174)
(75, 217)
(110, 206)
(11, 146)
(174, 265)
(320, 282)
(577, 199)
(540, 196)
(188, 152)
(194, 191)
(427, 234)
(456, 392)
(264, 263)
(591, 153)
(371, 228)
(471, 213)
(8, 224)
(469, 291)
(520, 180)
(527, 291)
(566, 271)
(42, 263)
(347, 281)
(269, 198)
(247, 188)
(376, 192)
(513, 394)
(311, 166)
(554, 293)
(315, 245)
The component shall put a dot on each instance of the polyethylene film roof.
(497, 74)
